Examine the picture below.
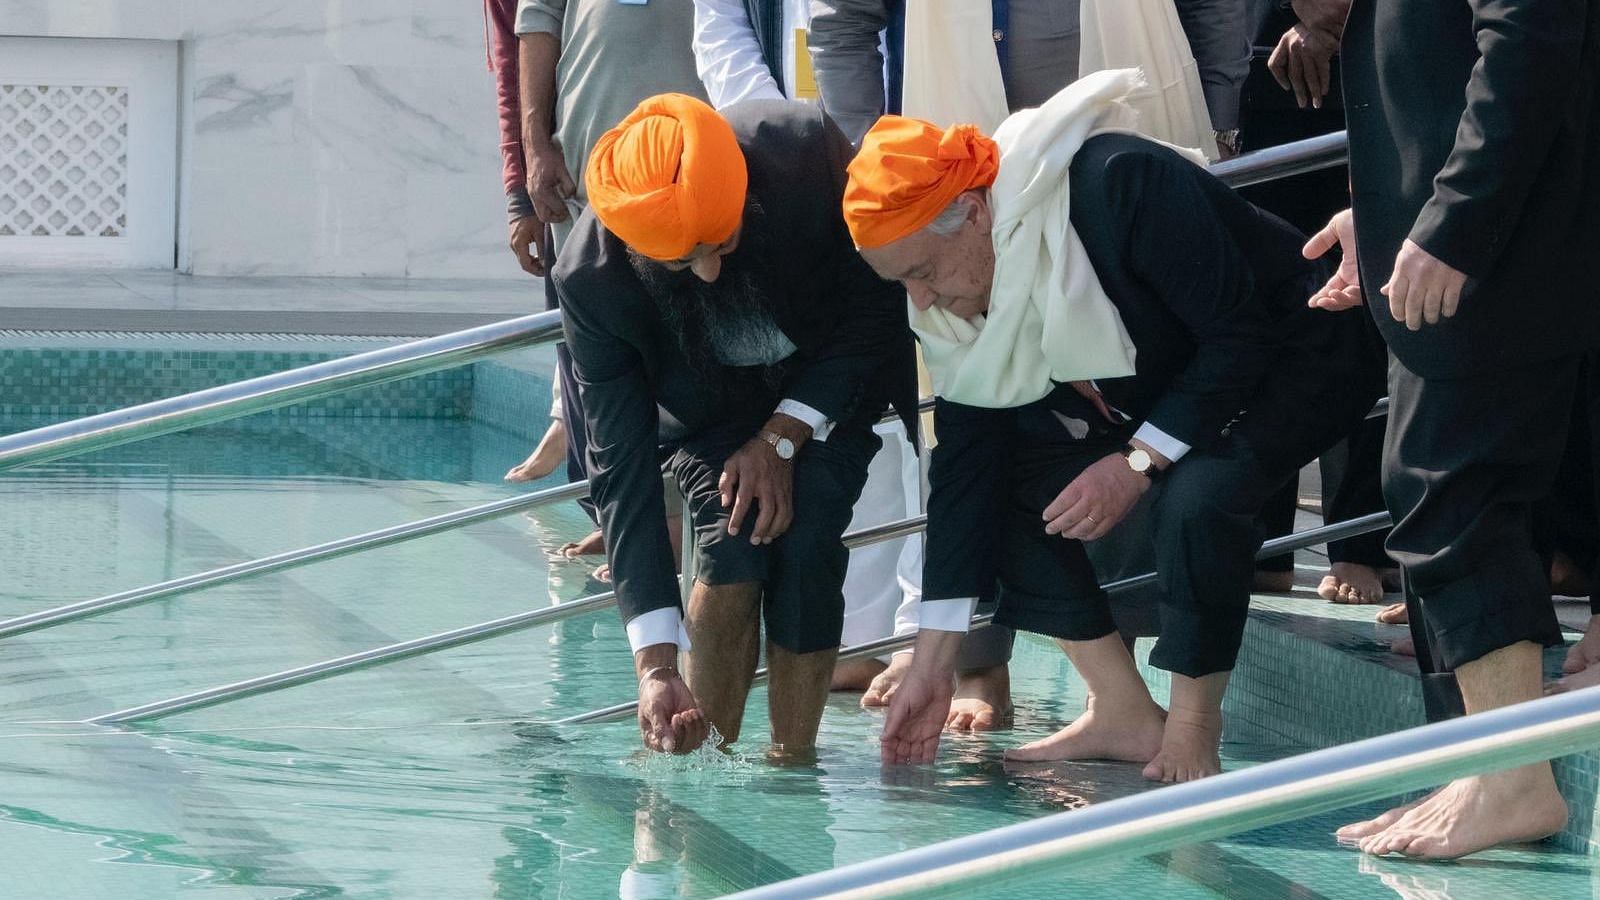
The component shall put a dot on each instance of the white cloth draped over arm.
(727, 55)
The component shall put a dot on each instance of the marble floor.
(114, 300)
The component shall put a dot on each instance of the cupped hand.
(670, 719)
(917, 714)
(1343, 289)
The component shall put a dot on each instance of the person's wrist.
(654, 660)
(787, 426)
(1161, 462)
(936, 651)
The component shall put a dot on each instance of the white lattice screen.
(63, 160)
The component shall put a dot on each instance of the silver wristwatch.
(780, 444)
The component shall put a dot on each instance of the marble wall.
(321, 137)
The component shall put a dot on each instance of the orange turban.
(668, 177)
(908, 172)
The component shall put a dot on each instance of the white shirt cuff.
(1163, 443)
(947, 615)
(821, 425)
(658, 626)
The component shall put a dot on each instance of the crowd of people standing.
(733, 201)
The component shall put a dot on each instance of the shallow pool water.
(440, 777)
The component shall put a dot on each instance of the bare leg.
(1483, 811)
(1121, 721)
(883, 687)
(1348, 582)
(724, 625)
(982, 701)
(545, 458)
(856, 674)
(1194, 729)
(796, 693)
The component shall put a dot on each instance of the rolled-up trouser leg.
(1206, 534)
(1047, 584)
(1465, 461)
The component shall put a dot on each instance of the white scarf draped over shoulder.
(1049, 320)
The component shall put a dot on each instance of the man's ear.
(978, 211)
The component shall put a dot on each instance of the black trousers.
(1465, 463)
(1205, 512)
(802, 572)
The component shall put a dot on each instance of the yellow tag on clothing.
(805, 80)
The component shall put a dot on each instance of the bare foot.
(1352, 583)
(1188, 748)
(1194, 729)
(1130, 735)
(1273, 582)
(1586, 652)
(602, 573)
(1355, 831)
(982, 701)
(544, 459)
(1393, 614)
(593, 544)
(883, 687)
(1477, 813)
(855, 674)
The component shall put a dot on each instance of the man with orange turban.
(1101, 319)
(712, 277)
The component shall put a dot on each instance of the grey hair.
(950, 220)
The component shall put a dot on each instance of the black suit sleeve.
(1530, 55)
(968, 485)
(624, 477)
(1177, 249)
(870, 323)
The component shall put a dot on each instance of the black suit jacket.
(854, 352)
(1211, 289)
(1474, 131)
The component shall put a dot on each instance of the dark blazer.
(1490, 161)
(854, 352)
(1213, 293)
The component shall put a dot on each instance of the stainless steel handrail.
(293, 559)
(242, 398)
(474, 633)
(458, 637)
(1272, 163)
(1211, 808)
(1279, 545)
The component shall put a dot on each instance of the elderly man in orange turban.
(1101, 319)
(712, 277)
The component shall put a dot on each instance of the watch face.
(1139, 460)
(785, 448)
